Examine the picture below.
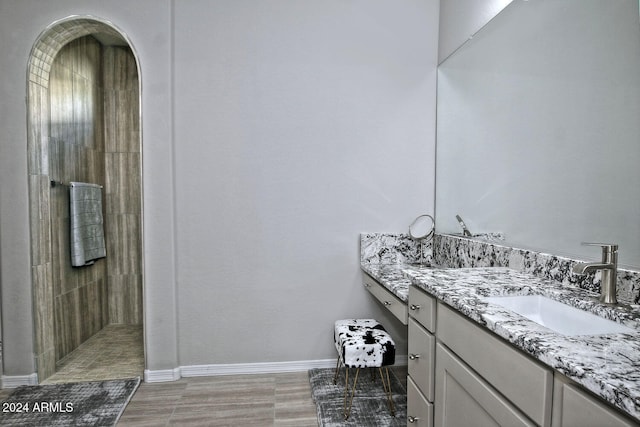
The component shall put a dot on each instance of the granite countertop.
(608, 365)
(392, 277)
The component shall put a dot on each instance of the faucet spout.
(591, 267)
(609, 271)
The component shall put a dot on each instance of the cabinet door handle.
(414, 307)
(386, 303)
(414, 356)
(412, 419)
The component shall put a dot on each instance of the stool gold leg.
(335, 375)
(346, 389)
(387, 389)
(347, 412)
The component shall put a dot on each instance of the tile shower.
(91, 99)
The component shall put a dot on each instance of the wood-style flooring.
(282, 399)
(248, 400)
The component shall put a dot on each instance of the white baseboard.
(254, 368)
(243, 368)
(160, 376)
(13, 381)
(165, 375)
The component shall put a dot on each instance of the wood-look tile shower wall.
(76, 153)
(94, 138)
(123, 186)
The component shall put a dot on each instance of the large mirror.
(539, 128)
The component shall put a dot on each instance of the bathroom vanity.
(470, 359)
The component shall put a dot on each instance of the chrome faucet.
(609, 268)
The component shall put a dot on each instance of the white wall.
(298, 125)
(286, 129)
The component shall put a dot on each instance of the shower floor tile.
(114, 352)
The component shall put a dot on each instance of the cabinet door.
(421, 364)
(465, 399)
(419, 410)
(525, 382)
(574, 407)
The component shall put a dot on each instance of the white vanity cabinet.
(574, 407)
(421, 363)
(462, 374)
(482, 380)
(391, 302)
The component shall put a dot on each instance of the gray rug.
(98, 403)
(369, 404)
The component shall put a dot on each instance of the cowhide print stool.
(363, 343)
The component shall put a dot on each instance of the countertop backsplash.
(447, 251)
(390, 248)
(454, 252)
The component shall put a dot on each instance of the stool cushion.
(364, 343)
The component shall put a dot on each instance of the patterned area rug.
(369, 404)
(98, 403)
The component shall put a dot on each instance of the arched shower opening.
(83, 125)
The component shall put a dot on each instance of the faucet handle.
(609, 252)
(609, 247)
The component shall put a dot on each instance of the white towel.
(86, 223)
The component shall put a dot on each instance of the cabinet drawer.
(526, 382)
(422, 307)
(419, 410)
(390, 301)
(421, 362)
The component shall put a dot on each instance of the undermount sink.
(557, 316)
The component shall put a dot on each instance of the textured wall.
(297, 126)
